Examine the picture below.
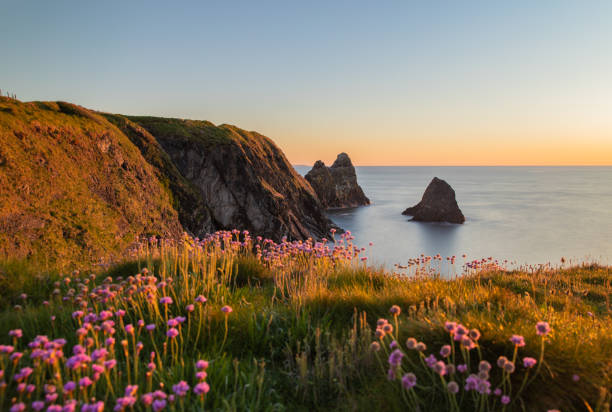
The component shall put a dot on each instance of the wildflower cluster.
(116, 354)
(456, 367)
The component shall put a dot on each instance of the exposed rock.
(337, 186)
(437, 205)
(243, 178)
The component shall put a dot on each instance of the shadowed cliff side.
(243, 178)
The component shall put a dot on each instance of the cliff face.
(73, 188)
(337, 186)
(437, 205)
(77, 186)
(243, 178)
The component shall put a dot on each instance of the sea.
(519, 216)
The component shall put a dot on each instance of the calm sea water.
(527, 215)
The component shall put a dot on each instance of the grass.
(301, 331)
(75, 187)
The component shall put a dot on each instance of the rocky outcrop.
(437, 205)
(242, 177)
(337, 186)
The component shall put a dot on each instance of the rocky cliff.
(243, 178)
(337, 186)
(76, 185)
(437, 205)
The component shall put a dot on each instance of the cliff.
(77, 185)
(243, 177)
(337, 186)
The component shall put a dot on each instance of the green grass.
(301, 328)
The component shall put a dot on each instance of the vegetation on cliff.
(73, 188)
(234, 323)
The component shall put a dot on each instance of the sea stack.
(437, 205)
(336, 186)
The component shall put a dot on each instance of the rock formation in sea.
(78, 185)
(437, 205)
(337, 186)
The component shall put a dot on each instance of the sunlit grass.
(293, 326)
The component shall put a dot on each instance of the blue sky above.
(390, 83)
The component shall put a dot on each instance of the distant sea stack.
(336, 186)
(437, 205)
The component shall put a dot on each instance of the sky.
(390, 83)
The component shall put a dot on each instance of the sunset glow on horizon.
(470, 83)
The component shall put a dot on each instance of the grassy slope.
(73, 188)
(299, 335)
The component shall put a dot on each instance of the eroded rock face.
(337, 186)
(243, 178)
(437, 205)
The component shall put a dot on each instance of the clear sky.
(390, 83)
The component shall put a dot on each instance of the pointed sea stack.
(336, 186)
(437, 205)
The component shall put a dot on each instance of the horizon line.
(477, 165)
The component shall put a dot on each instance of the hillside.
(74, 188)
(79, 186)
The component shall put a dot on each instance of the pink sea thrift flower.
(505, 400)
(452, 387)
(18, 407)
(529, 362)
(395, 358)
(201, 388)
(409, 380)
(518, 340)
(445, 351)
(201, 364)
(395, 310)
(181, 388)
(147, 399)
(166, 300)
(542, 328)
(85, 382)
(69, 386)
(200, 299)
(159, 404)
(38, 405)
(172, 333)
(16, 333)
(227, 309)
